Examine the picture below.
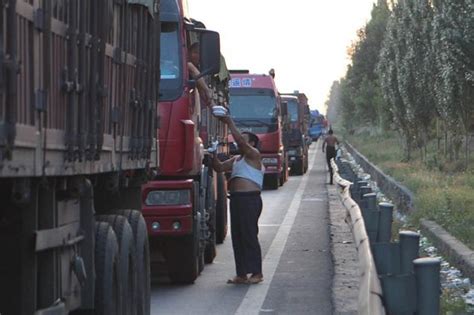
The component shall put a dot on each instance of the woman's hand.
(225, 119)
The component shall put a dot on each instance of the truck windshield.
(170, 61)
(293, 110)
(318, 120)
(254, 110)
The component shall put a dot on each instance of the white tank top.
(243, 170)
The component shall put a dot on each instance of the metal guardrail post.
(399, 294)
(370, 214)
(427, 285)
(356, 191)
(370, 201)
(362, 191)
(385, 222)
(409, 250)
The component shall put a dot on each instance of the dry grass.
(442, 193)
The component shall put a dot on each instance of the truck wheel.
(142, 254)
(182, 257)
(274, 181)
(107, 281)
(210, 249)
(127, 261)
(306, 164)
(221, 209)
(298, 167)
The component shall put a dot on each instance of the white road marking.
(253, 300)
(313, 199)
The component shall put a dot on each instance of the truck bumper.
(295, 159)
(273, 163)
(163, 219)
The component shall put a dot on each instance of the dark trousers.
(330, 154)
(245, 209)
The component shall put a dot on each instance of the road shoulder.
(345, 285)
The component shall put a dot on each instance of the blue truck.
(317, 126)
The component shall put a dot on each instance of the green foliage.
(361, 101)
(412, 71)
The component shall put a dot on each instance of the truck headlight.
(168, 197)
(269, 160)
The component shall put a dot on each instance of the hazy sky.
(305, 41)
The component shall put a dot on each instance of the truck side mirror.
(210, 52)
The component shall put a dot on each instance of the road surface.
(297, 263)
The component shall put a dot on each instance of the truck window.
(293, 110)
(170, 61)
(253, 106)
(254, 110)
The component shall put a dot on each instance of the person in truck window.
(245, 204)
(193, 65)
(330, 145)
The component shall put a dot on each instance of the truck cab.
(296, 144)
(255, 106)
(185, 206)
(317, 125)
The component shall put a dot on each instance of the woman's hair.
(252, 137)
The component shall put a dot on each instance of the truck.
(296, 143)
(185, 205)
(255, 106)
(79, 88)
(317, 127)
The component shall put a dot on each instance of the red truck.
(256, 107)
(79, 86)
(296, 143)
(185, 206)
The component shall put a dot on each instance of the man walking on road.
(245, 204)
(330, 145)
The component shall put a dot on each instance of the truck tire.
(282, 176)
(298, 167)
(210, 249)
(274, 181)
(142, 254)
(127, 262)
(306, 163)
(221, 209)
(107, 278)
(182, 257)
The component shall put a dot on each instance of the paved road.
(297, 263)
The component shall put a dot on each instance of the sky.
(305, 41)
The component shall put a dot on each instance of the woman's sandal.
(238, 280)
(255, 279)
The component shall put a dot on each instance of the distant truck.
(185, 205)
(79, 87)
(296, 143)
(317, 126)
(255, 106)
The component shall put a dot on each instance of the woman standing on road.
(245, 204)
